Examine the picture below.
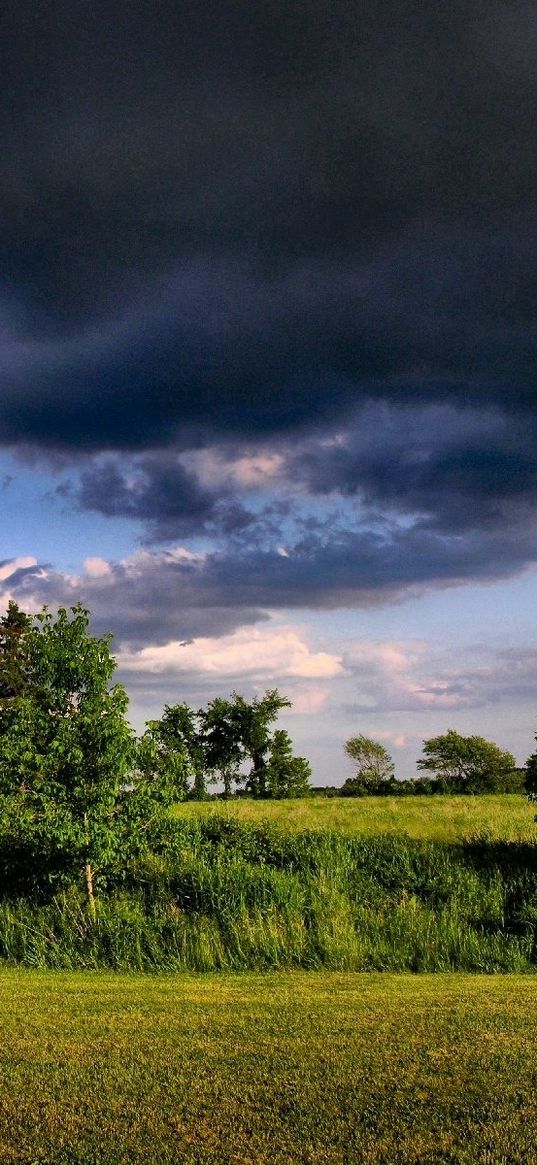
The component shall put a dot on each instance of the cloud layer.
(268, 295)
(246, 221)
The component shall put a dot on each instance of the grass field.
(289, 1069)
(507, 817)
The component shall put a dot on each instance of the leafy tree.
(531, 776)
(13, 665)
(286, 775)
(254, 722)
(66, 748)
(222, 735)
(467, 763)
(236, 730)
(372, 762)
(172, 748)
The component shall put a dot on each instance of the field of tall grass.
(219, 894)
(502, 817)
(287, 1069)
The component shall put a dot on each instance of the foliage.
(372, 762)
(286, 775)
(223, 739)
(214, 894)
(67, 751)
(214, 744)
(171, 749)
(530, 783)
(14, 626)
(255, 720)
(467, 763)
(513, 782)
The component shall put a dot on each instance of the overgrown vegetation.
(453, 819)
(213, 894)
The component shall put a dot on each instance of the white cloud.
(398, 675)
(309, 702)
(397, 739)
(96, 567)
(273, 652)
(9, 568)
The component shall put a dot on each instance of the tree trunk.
(88, 872)
(88, 875)
(200, 791)
(227, 784)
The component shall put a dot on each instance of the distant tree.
(371, 760)
(236, 730)
(174, 748)
(467, 763)
(254, 721)
(530, 783)
(223, 744)
(286, 775)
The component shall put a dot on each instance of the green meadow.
(501, 817)
(117, 1050)
(291, 1068)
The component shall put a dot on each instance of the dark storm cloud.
(247, 218)
(146, 599)
(310, 225)
(157, 597)
(453, 469)
(159, 492)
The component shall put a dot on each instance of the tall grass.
(505, 817)
(220, 895)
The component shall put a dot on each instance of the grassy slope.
(505, 817)
(287, 1069)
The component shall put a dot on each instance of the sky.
(268, 310)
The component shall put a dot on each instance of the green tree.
(254, 721)
(236, 730)
(222, 736)
(66, 748)
(172, 748)
(467, 764)
(286, 775)
(530, 783)
(14, 626)
(371, 761)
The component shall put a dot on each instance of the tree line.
(78, 789)
(56, 699)
(453, 763)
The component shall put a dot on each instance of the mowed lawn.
(319, 1069)
(506, 817)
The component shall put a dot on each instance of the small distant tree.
(530, 783)
(253, 722)
(286, 775)
(173, 747)
(371, 760)
(236, 730)
(14, 627)
(468, 764)
(223, 744)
